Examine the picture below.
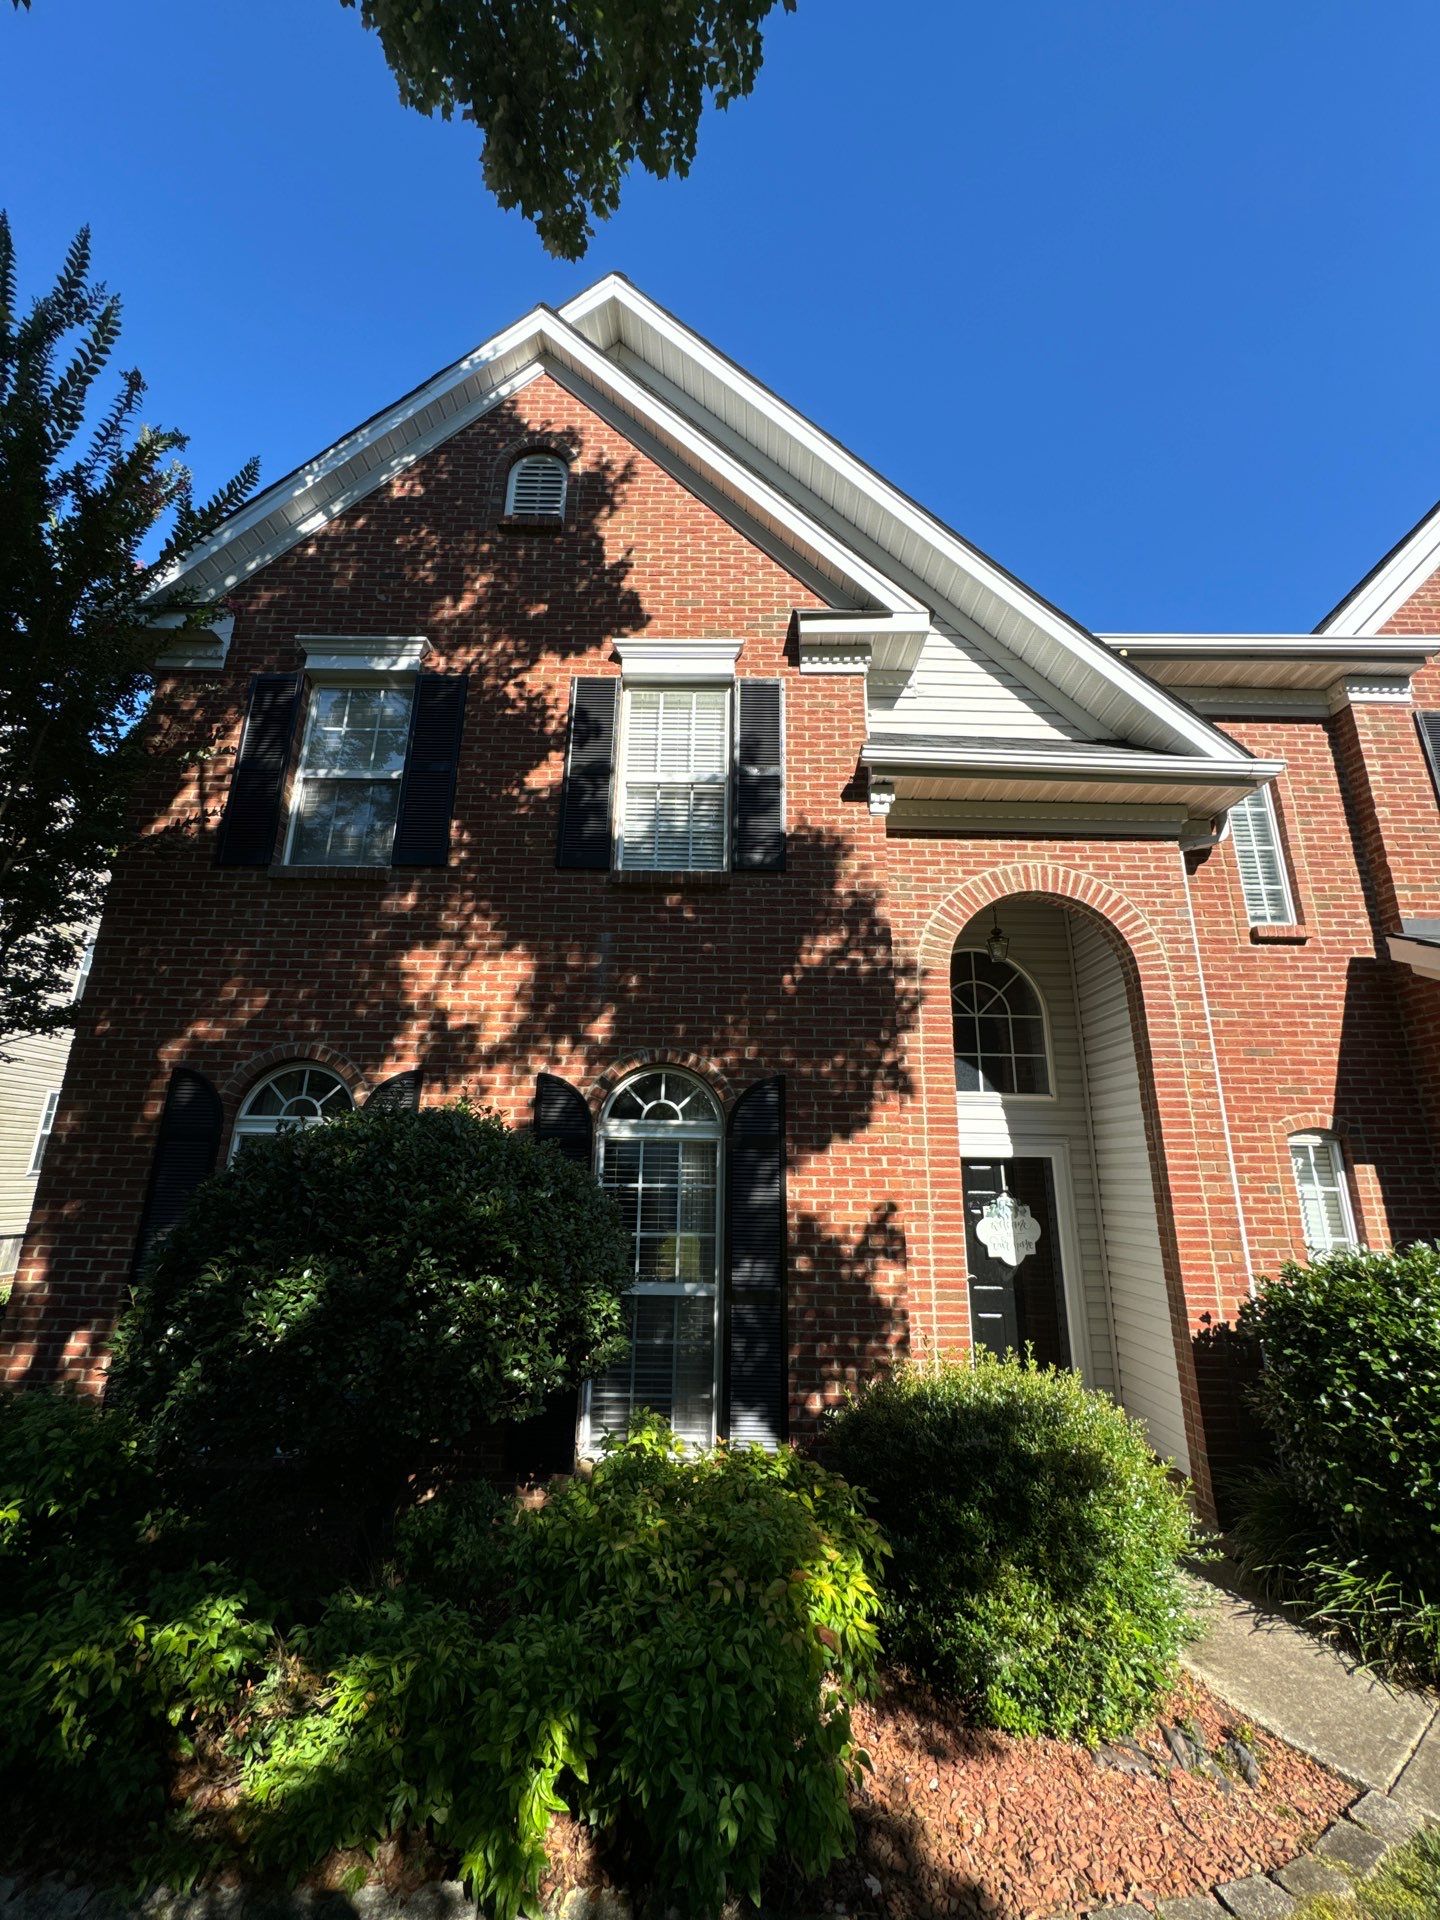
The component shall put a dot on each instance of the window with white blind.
(674, 801)
(347, 790)
(660, 1163)
(1258, 853)
(537, 485)
(1320, 1181)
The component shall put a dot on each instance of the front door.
(1012, 1244)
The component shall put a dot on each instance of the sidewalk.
(1302, 1689)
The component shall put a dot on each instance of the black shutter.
(186, 1149)
(399, 1094)
(252, 813)
(589, 775)
(1428, 725)
(561, 1115)
(432, 759)
(759, 778)
(757, 1401)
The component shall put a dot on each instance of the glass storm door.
(1012, 1245)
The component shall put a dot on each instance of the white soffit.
(1276, 660)
(1390, 583)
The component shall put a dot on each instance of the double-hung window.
(347, 787)
(674, 803)
(44, 1131)
(1325, 1213)
(660, 1163)
(1261, 859)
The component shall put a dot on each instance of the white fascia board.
(1079, 763)
(1415, 649)
(907, 516)
(1382, 593)
(1419, 955)
(652, 662)
(334, 653)
(841, 642)
(194, 647)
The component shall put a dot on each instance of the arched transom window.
(659, 1147)
(537, 486)
(999, 1027)
(300, 1095)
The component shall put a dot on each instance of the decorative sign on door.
(1008, 1229)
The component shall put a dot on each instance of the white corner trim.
(198, 647)
(1386, 690)
(374, 653)
(678, 662)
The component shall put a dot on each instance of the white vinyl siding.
(1258, 854)
(1320, 1182)
(1148, 1375)
(537, 486)
(958, 688)
(347, 791)
(674, 808)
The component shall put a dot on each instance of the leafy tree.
(84, 486)
(570, 95)
(343, 1314)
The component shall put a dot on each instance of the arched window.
(300, 1095)
(537, 486)
(999, 1027)
(1325, 1212)
(659, 1146)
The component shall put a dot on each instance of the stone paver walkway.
(1296, 1686)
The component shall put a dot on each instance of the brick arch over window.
(704, 1069)
(563, 445)
(238, 1084)
(1172, 1074)
(1367, 1202)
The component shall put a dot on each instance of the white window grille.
(537, 486)
(674, 811)
(1325, 1212)
(1263, 879)
(44, 1131)
(347, 791)
(300, 1095)
(999, 1027)
(660, 1162)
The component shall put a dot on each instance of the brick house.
(595, 736)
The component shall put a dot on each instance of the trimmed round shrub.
(344, 1311)
(1350, 1399)
(1036, 1542)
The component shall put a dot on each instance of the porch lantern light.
(997, 944)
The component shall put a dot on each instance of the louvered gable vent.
(537, 486)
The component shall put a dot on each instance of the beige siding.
(1149, 1379)
(959, 688)
(37, 1066)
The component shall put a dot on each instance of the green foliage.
(1406, 1886)
(1036, 1542)
(345, 1309)
(569, 98)
(1349, 1523)
(83, 486)
(73, 1494)
(671, 1648)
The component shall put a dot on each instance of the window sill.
(1280, 934)
(526, 524)
(668, 880)
(282, 870)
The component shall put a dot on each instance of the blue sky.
(1141, 297)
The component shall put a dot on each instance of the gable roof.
(861, 542)
(1390, 582)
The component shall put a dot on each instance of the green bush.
(1036, 1542)
(1349, 1523)
(344, 1310)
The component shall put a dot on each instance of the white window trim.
(43, 1132)
(974, 1100)
(689, 663)
(250, 1126)
(1319, 1140)
(297, 782)
(621, 785)
(1266, 796)
(713, 1130)
(512, 481)
(333, 654)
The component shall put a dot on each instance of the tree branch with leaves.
(85, 487)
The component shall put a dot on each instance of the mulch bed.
(955, 1821)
